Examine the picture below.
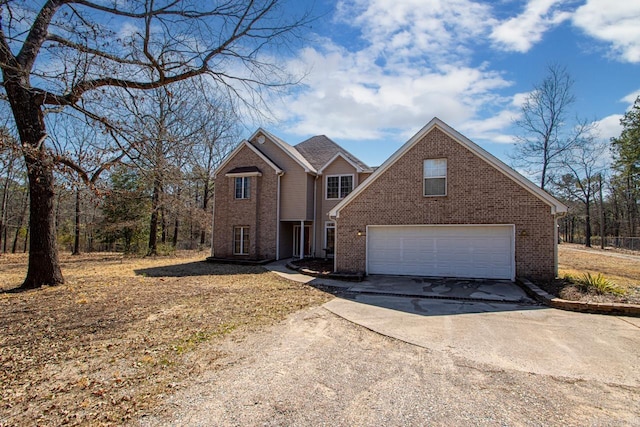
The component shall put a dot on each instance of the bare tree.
(165, 122)
(546, 135)
(64, 54)
(583, 167)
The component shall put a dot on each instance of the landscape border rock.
(579, 306)
(349, 277)
(238, 261)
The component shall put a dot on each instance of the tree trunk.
(90, 231)
(174, 241)
(205, 200)
(44, 266)
(26, 240)
(153, 226)
(20, 222)
(163, 226)
(630, 202)
(602, 218)
(543, 177)
(587, 225)
(573, 229)
(76, 236)
(5, 199)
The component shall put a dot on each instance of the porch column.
(301, 239)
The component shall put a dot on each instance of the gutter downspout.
(335, 240)
(301, 239)
(213, 220)
(278, 217)
(315, 215)
(556, 215)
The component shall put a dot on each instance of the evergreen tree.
(626, 154)
(125, 210)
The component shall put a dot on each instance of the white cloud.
(615, 22)
(412, 66)
(413, 28)
(356, 99)
(521, 32)
(631, 98)
(491, 128)
(609, 127)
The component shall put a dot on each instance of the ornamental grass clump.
(595, 283)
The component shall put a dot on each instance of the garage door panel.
(462, 251)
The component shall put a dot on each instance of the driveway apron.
(509, 336)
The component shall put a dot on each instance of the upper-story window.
(339, 186)
(243, 187)
(435, 177)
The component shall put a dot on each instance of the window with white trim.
(241, 240)
(339, 186)
(243, 188)
(435, 177)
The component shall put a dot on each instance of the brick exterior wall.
(258, 212)
(477, 193)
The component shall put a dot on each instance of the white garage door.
(479, 251)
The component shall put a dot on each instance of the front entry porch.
(301, 240)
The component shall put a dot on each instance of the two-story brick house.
(272, 199)
(439, 206)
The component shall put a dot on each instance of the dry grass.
(121, 332)
(622, 269)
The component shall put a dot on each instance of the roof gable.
(338, 155)
(556, 206)
(288, 149)
(236, 150)
(320, 150)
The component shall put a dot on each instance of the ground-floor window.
(241, 240)
(329, 237)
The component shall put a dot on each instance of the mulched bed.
(318, 265)
(566, 290)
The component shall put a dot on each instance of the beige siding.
(363, 176)
(477, 193)
(310, 195)
(293, 184)
(323, 206)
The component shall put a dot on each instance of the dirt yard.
(621, 268)
(121, 333)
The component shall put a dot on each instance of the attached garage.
(476, 251)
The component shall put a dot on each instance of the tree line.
(116, 114)
(72, 65)
(153, 199)
(598, 180)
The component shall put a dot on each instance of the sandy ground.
(316, 369)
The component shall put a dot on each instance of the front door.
(296, 240)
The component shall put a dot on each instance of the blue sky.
(379, 70)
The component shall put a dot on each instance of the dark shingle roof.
(318, 150)
(245, 169)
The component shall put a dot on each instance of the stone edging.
(239, 261)
(585, 307)
(356, 277)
